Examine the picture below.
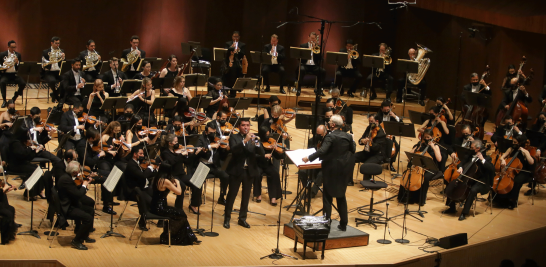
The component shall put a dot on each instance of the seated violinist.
(425, 145)
(94, 154)
(506, 130)
(341, 108)
(132, 135)
(39, 132)
(101, 124)
(273, 101)
(223, 127)
(374, 141)
(484, 175)
(175, 126)
(276, 123)
(439, 121)
(387, 114)
(269, 164)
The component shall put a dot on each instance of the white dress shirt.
(77, 134)
(55, 66)
(77, 78)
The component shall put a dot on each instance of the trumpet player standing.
(9, 62)
(311, 66)
(277, 51)
(350, 70)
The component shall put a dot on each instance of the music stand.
(199, 102)
(110, 184)
(195, 80)
(113, 103)
(399, 129)
(163, 83)
(29, 184)
(156, 63)
(243, 103)
(105, 67)
(338, 59)
(503, 144)
(305, 121)
(534, 137)
(64, 68)
(163, 103)
(30, 68)
(188, 47)
(87, 89)
(299, 53)
(219, 54)
(418, 117)
(407, 66)
(463, 153)
(244, 83)
(130, 86)
(262, 58)
(197, 179)
(376, 62)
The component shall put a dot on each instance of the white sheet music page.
(113, 179)
(29, 184)
(297, 155)
(200, 175)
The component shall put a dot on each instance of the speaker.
(453, 241)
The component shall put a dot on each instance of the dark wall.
(163, 25)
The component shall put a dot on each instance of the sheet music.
(200, 175)
(297, 155)
(29, 184)
(113, 179)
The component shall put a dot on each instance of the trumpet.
(387, 59)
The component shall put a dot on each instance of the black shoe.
(222, 201)
(351, 183)
(109, 210)
(42, 197)
(226, 223)
(350, 94)
(89, 240)
(373, 97)
(267, 89)
(282, 91)
(298, 93)
(422, 103)
(192, 210)
(451, 210)
(53, 98)
(512, 205)
(18, 225)
(160, 224)
(92, 230)
(322, 93)
(114, 204)
(462, 217)
(5, 104)
(77, 245)
(142, 227)
(392, 168)
(243, 223)
(530, 191)
(342, 227)
(255, 199)
(272, 204)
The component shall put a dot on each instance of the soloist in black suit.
(278, 68)
(90, 75)
(342, 71)
(11, 77)
(51, 77)
(311, 69)
(128, 71)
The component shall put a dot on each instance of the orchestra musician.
(146, 71)
(540, 124)
(70, 197)
(440, 124)
(92, 73)
(132, 70)
(38, 133)
(114, 78)
(231, 70)
(277, 51)
(509, 129)
(512, 73)
(178, 89)
(336, 153)
(72, 83)
(465, 140)
(96, 99)
(350, 70)
(220, 121)
(70, 125)
(136, 176)
(239, 47)
(412, 54)
(311, 66)
(91, 153)
(8, 227)
(172, 68)
(143, 99)
(8, 117)
(51, 73)
(476, 85)
(9, 75)
(242, 169)
(128, 112)
(441, 103)
(345, 111)
(217, 96)
(273, 101)
(276, 113)
(486, 175)
(381, 75)
(132, 134)
(374, 141)
(387, 114)
(517, 92)
(175, 126)
(269, 165)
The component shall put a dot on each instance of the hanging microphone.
(292, 10)
(378, 25)
(112, 52)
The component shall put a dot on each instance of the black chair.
(143, 209)
(373, 214)
(56, 206)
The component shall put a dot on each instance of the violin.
(279, 127)
(119, 143)
(147, 163)
(288, 113)
(181, 132)
(228, 128)
(83, 118)
(371, 135)
(47, 126)
(272, 145)
(436, 133)
(151, 131)
(85, 174)
(504, 181)
(192, 114)
(189, 149)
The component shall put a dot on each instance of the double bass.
(517, 109)
(475, 115)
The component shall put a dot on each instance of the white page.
(297, 155)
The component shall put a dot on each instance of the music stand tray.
(261, 57)
(87, 89)
(201, 100)
(399, 129)
(243, 103)
(130, 86)
(370, 61)
(105, 67)
(110, 103)
(244, 83)
(422, 161)
(407, 66)
(219, 53)
(196, 79)
(189, 46)
(29, 68)
(418, 117)
(304, 121)
(478, 99)
(300, 53)
(337, 58)
(168, 82)
(156, 63)
(164, 102)
(463, 153)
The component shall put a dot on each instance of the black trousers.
(419, 196)
(368, 157)
(519, 180)
(274, 186)
(341, 206)
(474, 190)
(234, 183)
(83, 221)
(9, 78)
(385, 77)
(52, 78)
(7, 222)
(402, 83)
(277, 68)
(351, 73)
(195, 200)
(72, 144)
(311, 69)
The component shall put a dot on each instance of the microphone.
(378, 25)
(472, 29)
(292, 10)
(282, 24)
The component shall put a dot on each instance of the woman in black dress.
(181, 232)
(217, 96)
(146, 71)
(96, 99)
(142, 101)
(8, 227)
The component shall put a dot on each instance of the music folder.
(300, 53)
(375, 62)
(297, 155)
(219, 53)
(337, 58)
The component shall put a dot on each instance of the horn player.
(9, 75)
(92, 73)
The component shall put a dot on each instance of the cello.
(458, 188)
(504, 181)
(413, 177)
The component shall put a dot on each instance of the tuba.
(131, 59)
(424, 63)
(9, 61)
(55, 56)
(91, 60)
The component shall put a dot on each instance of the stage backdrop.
(163, 25)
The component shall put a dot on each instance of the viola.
(371, 135)
(279, 127)
(181, 132)
(504, 181)
(119, 143)
(82, 118)
(228, 128)
(147, 163)
(436, 133)
(288, 113)
(190, 149)
(47, 126)
(85, 174)
(272, 145)
(151, 131)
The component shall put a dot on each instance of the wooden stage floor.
(244, 247)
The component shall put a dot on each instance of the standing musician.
(517, 92)
(217, 96)
(277, 51)
(486, 175)
(39, 134)
(114, 78)
(374, 141)
(88, 58)
(524, 176)
(72, 83)
(311, 66)
(338, 106)
(143, 99)
(179, 158)
(96, 99)
(9, 64)
(350, 70)
(336, 153)
(70, 125)
(132, 70)
(243, 168)
(508, 129)
(420, 195)
(136, 176)
(211, 156)
(412, 54)
(381, 74)
(231, 70)
(70, 197)
(269, 164)
(51, 72)
(146, 71)
(387, 114)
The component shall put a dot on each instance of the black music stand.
(156, 63)
(464, 154)
(113, 103)
(299, 53)
(30, 69)
(130, 86)
(262, 58)
(64, 67)
(162, 103)
(242, 103)
(407, 66)
(376, 62)
(305, 121)
(87, 89)
(188, 47)
(338, 59)
(477, 99)
(199, 102)
(503, 144)
(219, 54)
(195, 80)
(163, 83)
(399, 129)
(244, 83)
(418, 117)
(105, 67)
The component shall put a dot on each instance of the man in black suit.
(72, 83)
(113, 78)
(507, 128)
(70, 197)
(402, 83)
(375, 153)
(387, 114)
(336, 154)
(350, 70)
(517, 92)
(277, 51)
(311, 66)
(475, 86)
(132, 70)
(40, 134)
(90, 73)
(243, 168)
(70, 125)
(240, 48)
(135, 176)
(51, 73)
(383, 75)
(9, 74)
